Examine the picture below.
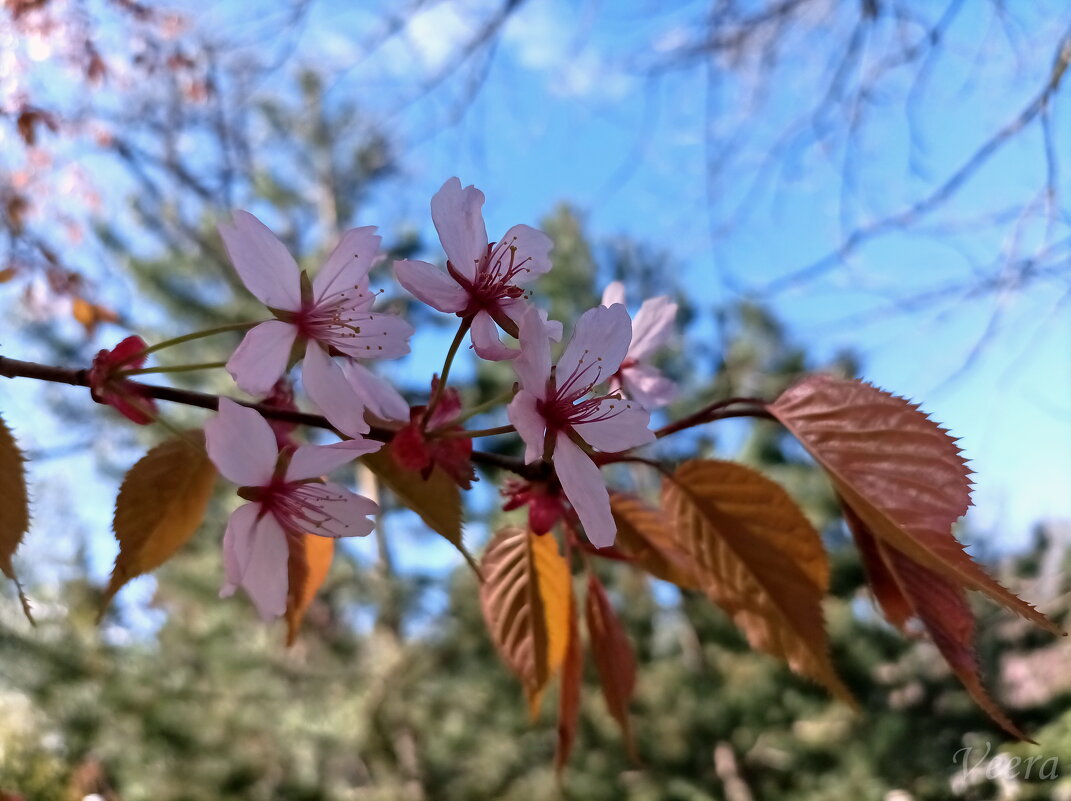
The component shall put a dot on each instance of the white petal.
(532, 365)
(431, 285)
(485, 339)
(529, 423)
(348, 513)
(380, 336)
(328, 388)
(262, 262)
(652, 327)
(241, 445)
(256, 559)
(523, 249)
(377, 394)
(583, 486)
(312, 461)
(458, 217)
(647, 386)
(625, 426)
(600, 341)
(261, 358)
(614, 293)
(348, 265)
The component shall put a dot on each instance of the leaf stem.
(167, 343)
(719, 410)
(473, 434)
(182, 368)
(462, 329)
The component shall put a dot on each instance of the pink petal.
(458, 217)
(652, 327)
(313, 461)
(614, 293)
(261, 358)
(600, 340)
(647, 386)
(256, 558)
(241, 445)
(516, 308)
(531, 253)
(625, 426)
(529, 423)
(381, 336)
(348, 265)
(532, 365)
(485, 340)
(583, 485)
(262, 262)
(328, 388)
(348, 513)
(377, 394)
(431, 285)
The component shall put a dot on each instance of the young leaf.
(310, 559)
(437, 500)
(644, 534)
(941, 606)
(525, 601)
(614, 659)
(14, 507)
(161, 503)
(569, 690)
(899, 472)
(758, 558)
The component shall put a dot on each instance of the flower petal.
(241, 445)
(530, 254)
(647, 386)
(313, 461)
(431, 285)
(374, 335)
(458, 217)
(262, 262)
(532, 365)
(261, 358)
(529, 423)
(256, 559)
(624, 426)
(348, 265)
(614, 293)
(328, 388)
(583, 485)
(378, 395)
(485, 339)
(599, 343)
(348, 513)
(652, 327)
(516, 308)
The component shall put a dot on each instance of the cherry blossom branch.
(16, 368)
(719, 410)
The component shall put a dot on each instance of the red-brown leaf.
(614, 659)
(569, 690)
(941, 606)
(901, 474)
(644, 535)
(758, 558)
(525, 600)
(14, 507)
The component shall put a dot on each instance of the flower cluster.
(596, 399)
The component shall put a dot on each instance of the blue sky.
(562, 114)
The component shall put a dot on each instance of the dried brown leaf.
(645, 536)
(161, 504)
(14, 506)
(310, 560)
(614, 659)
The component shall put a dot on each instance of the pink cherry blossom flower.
(653, 326)
(552, 413)
(331, 316)
(483, 282)
(287, 499)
